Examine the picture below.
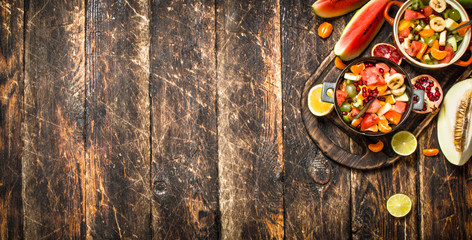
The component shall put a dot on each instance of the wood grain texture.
(444, 193)
(118, 191)
(184, 124)
(250, 119)
(11, 106)
(53, 160)
(317, 190)
(370, 192)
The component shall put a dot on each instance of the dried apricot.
(376, 147)
(339, 63)
(430, 152)
(325, 29)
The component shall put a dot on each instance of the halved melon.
(455, 123)
(360, 31)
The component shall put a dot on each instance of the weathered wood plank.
(250, 119)
(184, 125)
(118, 120)
(445, 199)
(11, 106)
(370, 192)
(317, 190)
(53, 161)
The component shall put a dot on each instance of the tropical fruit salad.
(378, 83)
(425, 32)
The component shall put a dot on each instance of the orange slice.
(438, 54)
(376, 147)
(357, 68)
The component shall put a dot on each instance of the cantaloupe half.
(335, 8)
(360, 30)
(455, 123)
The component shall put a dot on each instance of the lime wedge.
(399, 205)
(404, 143)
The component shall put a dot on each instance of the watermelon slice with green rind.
(361, 30)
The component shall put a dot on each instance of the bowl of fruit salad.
(424, 32)
(373, 96)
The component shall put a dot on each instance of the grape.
(351, 90)
(345, 107)
(455, 15)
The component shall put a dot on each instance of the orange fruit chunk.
(376, 147)
(357, 68)
(393, 116)
(325, 29)
(427, 32)
(438, 54)
(339, 63)
(404, 24)
(430, 152)
(383, 125)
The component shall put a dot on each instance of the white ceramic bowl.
(461, 49)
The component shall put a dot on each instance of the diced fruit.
(404, 98)
(430, 152)
(385, 108)
(451, 24)
(393, 117)
(442, 38)
(339, 63)
(412, 15)
(399, 107)
(449, 55)
(399, 205)
(422, 51)
(352, 77)
(404, 24)
(340, 97)
(357, 68)
(438, 54)
(369, 121)
(404, 143)
(373, 128)
(345, 107)
(376, 147)
(427, 33)
(404, 33)
(383, 125)
(325, 29)
(372, 76)
(427, 11)
(382, 66)
(451, 41)
(414, 48)
(316, 106)
(353, 113)
(390, 99)
(374, 106)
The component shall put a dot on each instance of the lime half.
(404, 143)
(399, 205)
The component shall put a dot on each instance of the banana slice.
(438, 24)
(399, 91)
(395, 81)
(438, 5)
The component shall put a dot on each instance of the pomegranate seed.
(428, 88)
(431, 84)
(381, 70)
(370, 98)
(426, 20)
(441, 48)
(416, 32)
(364, 94)
(369, 90)
(437, 89)
(349, 101)
(421, 11)
(401, 40)
(424, 78)
(363, 115)
(381, 99)
(424, 108)
(410, 28)
(355, 84)
(437, 94)
(358, 89)
(344, 113)
(363, 90)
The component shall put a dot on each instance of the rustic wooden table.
(173, 119)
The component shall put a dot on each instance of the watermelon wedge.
(360, 31)
(335, 8)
